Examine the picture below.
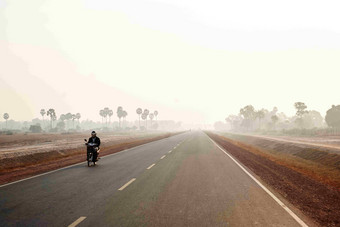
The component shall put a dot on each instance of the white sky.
(191, 60)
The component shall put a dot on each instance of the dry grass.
(319, 165)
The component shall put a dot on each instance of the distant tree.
(139, 111)
(119, 114)
(124, 114)
(333, 117)
(73, 117)
(102, 114)
(51, 113)
(43, 112)
(151, 116)
(62, 117)
(312, 119)
(144, 117)
(146, 113)
(260, 114)
(156, 114)
(300, 111)
(275, 119)
(78, 116)
(234, 121)
(248, 113)
(6, 117)
(110, 113)
(68, 117)
(106, 114)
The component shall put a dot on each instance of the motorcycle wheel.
(89, 160)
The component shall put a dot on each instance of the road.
(183, 180)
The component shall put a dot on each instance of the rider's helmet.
(93, 133)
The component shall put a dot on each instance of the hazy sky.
(191, 60)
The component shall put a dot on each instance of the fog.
(196, 63)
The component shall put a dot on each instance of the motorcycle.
(91, 149)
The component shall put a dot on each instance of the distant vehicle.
(92, 153)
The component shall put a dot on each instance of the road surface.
(183, 180)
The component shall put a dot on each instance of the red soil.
(313, 198)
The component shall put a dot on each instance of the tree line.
(250, 119)
(67, 120)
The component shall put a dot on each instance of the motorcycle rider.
(96, 140)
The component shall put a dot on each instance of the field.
(23, 144)
(307, 175)
(24, 155)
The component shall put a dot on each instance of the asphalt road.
(184, 180)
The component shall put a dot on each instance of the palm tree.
(106, 113)
(101, 113)
(144, 117)
(43, 112)
(119, 114)
(6, 116)
(156, 114)
(68, 117)
(110, 115)
(78, 116)
(139, 111)
(73, 117)
(52, 114)
(275, 119)
(124, 114)
(146, 113)
(260, 115)
(151, 116)
(62, 117)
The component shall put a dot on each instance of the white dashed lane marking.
(127, 184)
(150, 166)
(76, 222)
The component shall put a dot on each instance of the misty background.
(195, 63)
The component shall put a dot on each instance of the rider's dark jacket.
(94, 140)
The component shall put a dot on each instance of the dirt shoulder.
(316, 162)
(314, 198)
(23, 166)
(331, 143)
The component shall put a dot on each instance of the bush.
(53, 130)
(35, 128)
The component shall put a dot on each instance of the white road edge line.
(127, 184)
(163, 156)
(170, 151)
(264, 188)
(119, 152)
(76, 222)
(150, 166)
